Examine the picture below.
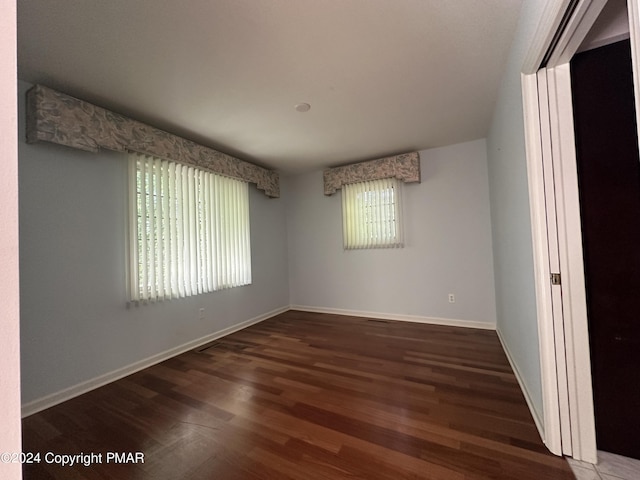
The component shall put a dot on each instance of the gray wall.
(448, 245)
(75, 323)
(511, 221)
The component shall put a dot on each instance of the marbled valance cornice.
(405, 167)
(58, 118)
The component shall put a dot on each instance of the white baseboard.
(536, 417)
(43, 403)
(403, 318)
(47, 401)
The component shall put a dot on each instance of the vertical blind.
(189, 230)
(371, 214)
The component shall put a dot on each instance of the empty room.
(291, 239)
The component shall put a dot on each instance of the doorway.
(558, 245)
(609, 188)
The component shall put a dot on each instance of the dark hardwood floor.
(307, 396)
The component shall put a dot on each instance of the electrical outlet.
(452, 298)
(201, 314)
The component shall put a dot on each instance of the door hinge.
(555, 279)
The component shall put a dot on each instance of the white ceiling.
(382, 76)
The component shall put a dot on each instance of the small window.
(188, 230)
(371, 214)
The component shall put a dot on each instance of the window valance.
(59, 118)
(405, 167)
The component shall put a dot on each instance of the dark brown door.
(609, 180)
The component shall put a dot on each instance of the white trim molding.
(575, 31)
(53, 399)
(545, 32)
(398, 317)
(523, 386)
(10, 440)
(633, 8)
(43, 403)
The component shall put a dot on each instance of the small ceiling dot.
(303, 107)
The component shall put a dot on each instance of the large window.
(189, 230)
(371, 214)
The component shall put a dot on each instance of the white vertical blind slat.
(206, 250)
(193, 233)
(235, 246)
(217, 232)
(246, 237)
(172, 232)
(180, 229)
(134, 268)
(200, 227)
(142, 228)
(151, 242)
(230, 256)
(166, 246)
(159, 218)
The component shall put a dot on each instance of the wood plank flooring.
(308, 396)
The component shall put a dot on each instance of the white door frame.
(569, 427)
(569, 423)
(633, 10)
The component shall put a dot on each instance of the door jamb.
(633, 9)
(574, 347)
(533, 143)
